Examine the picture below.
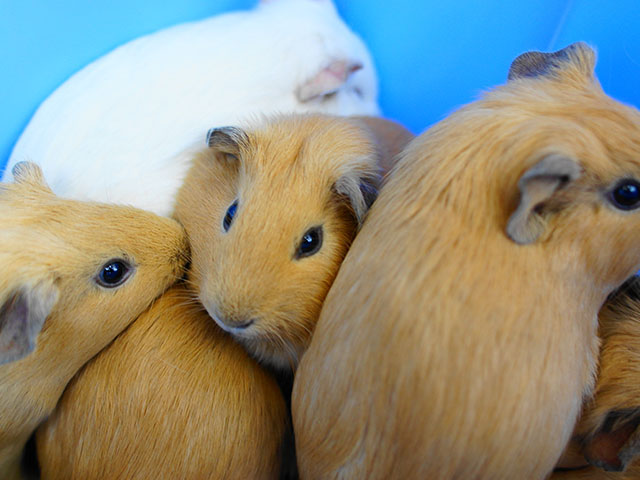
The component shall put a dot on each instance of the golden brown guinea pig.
(172, 397)
(607, 435)
(74, 275)
(270, 212)
(459, 336)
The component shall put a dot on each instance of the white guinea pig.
(117, 130)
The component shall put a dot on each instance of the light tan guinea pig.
(74, 275)
(172, 397)
(607, 435)
(460, 335)
(270, 212)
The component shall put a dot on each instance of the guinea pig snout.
(235, 324)
(238, 324)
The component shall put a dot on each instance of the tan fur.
(55, 247)
(289, 174)
(617, 392)
(391, 138)
(446, 350)
(172, 397)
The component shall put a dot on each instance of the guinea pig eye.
(228, 217)
(626, 195)
(310, 243)
(114, 273)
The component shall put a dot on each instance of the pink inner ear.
(328, 80)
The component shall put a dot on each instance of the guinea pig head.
(270, 213)
(76, 273)
(328, 67)
(579, 190)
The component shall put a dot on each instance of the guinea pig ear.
(22, 316)
(29, 173)
(328, 80)
(362, 179)
(537, 186)
(616, 443)
(360, 187)
(228, 140)
(577, 58)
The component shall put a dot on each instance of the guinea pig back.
(172, 397)
(459, 337)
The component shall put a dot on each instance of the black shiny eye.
(626, 195)
(114, 273)
(228, 217)
(310, 243)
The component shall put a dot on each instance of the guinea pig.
(607, 435)
(270, 211)
(121, 129)
(74, 275)
(172, 397)
(460, 335)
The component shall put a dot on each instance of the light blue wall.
(431, 56)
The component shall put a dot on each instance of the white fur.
(118, 130)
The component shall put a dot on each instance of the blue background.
(431, 56)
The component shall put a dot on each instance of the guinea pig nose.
(241, 325)
(235, 327)
(229, 323)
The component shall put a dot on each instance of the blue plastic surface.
(431, 56)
